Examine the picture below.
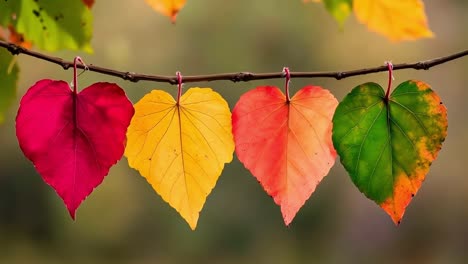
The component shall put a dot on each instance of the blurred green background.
(125, 221)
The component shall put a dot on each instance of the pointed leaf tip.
(168, 8)
(73, 140)
(88, 3)
(388, 147)
(72, 213)
(286, 146)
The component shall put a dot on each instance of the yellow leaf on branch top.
(395, 19)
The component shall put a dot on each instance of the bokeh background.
(125, 221)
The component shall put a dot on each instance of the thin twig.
(234, 77)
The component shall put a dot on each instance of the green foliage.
(50, 25)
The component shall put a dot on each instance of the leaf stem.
(287, 74)
(75, 76)
(179, 86)
(390, 78)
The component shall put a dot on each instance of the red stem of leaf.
(390, 78)
(288, 79)
(179, 86)
(75, 76)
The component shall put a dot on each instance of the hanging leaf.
(387, 147)
(168, 8)
(50, 25)
(396, 20)
(73, 139)
(339, 9)
(8, 82)
(181, 148)
(287, 146)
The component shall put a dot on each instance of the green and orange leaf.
(181, 148)
(387, 147)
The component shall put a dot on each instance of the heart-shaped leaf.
(73, 139)
(387, 146)
(181, 148)
(287, 146)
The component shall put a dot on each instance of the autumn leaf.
(396, 20)
(9, 80)
(181, 148)
(73, 139)
(169, 8)
(287, 146)
(388, 146)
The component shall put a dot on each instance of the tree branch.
(234, 77)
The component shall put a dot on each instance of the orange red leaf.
(287, 146)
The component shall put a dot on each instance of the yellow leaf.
(181, 149)
(396, 19)
(169, 8)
